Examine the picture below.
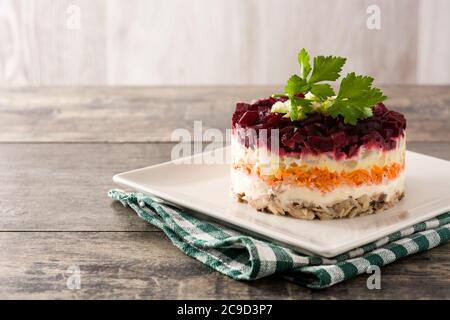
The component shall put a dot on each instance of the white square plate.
(204, 189)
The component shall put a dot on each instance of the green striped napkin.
(243, 257)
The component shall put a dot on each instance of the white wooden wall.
(189, 42)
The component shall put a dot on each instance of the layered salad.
(314, 151)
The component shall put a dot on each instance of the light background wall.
(190, 42)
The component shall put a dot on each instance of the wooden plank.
(432, 30)
(62, 187)
(53, 42)
(218, 42)
(151, 114)
(421, 276)
(250, 42)
(131, 265)
(434, 149)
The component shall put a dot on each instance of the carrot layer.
(323, 179)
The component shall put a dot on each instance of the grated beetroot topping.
(319, 133)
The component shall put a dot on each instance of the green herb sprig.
(354, 100)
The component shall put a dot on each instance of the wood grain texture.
(151, 114)
(145, 265)
(256, 42)
(434, 18)
(62, 187)
(185, 42)
(59, 148)
(40, 47)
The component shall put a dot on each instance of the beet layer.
(320, 133)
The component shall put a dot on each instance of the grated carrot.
(323, 179)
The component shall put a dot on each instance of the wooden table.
(59, 148)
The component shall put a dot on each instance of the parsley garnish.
(354, 100)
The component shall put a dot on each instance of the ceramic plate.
(204, 190)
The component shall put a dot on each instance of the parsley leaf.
(326, 68)
(353, 102)
(355, 98)
(322, 91)
(296, 85)
(299, 113)
(303, 61)
(293, 112)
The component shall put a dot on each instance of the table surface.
(59, 148)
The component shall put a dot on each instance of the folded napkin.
(242, 257)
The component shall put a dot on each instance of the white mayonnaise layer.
(254, 187)
(269, 162)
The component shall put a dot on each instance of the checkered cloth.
(242, 257)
